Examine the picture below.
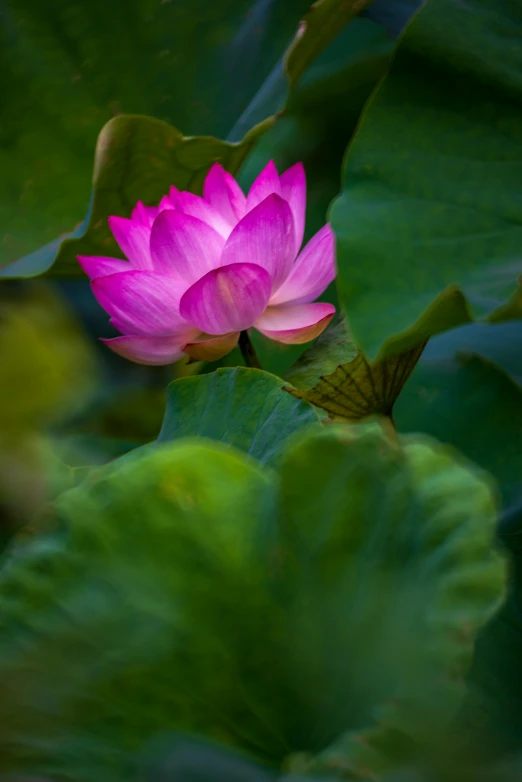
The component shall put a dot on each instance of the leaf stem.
(248, 351)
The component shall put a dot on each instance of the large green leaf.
(178, 63)
(393, 14)
(491, 720)
(192, 589)
(187, 759)
(464, 391)
(63, 77)
(428, 224)
(242, 407)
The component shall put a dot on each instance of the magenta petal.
(184, 245)
(293, 190)
(194, 205)
(167, 202)
(266, 183)
(94, 266)
(265, 237)
(295, 324)
(223, 193)
(133, 239)
(227, 299)
(144, 214)
(148, 350)
(141, 302)
(312, 272)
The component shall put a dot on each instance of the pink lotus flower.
(202, 269)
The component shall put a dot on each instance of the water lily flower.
(201, 269)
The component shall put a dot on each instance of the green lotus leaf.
(271, 610)
(428, 225)
(242, 407)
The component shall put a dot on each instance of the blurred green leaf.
(48, 374)
(130, 415)
(392, 14)
(63, 78)
(448, 769)
(466, 391)
(48, 368)
(399, 528)
(460, 395)
(137, 157)
(179, 758)
(192, 590)
(491, 720)
(428, 224)
(242, 407)
(321, 24)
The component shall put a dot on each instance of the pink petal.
(184, 245)
(266, 183)
(144, 214)
(265, 237)
(227, 299)
(133, 239)
(293, 190)
(173, 194)
(295, 324)
(147, 350)
(196, 206)
(212, 349)
(141, 302)
(100, 267)
(168, 202)
(312, 272)
(223, 193)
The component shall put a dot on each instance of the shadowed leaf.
(466, 391)
(428, 225)
(361, 388)
(320, 25)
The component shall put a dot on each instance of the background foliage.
(308, 598)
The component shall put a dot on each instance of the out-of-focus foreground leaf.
(47, 373)
(47, 364)
(466, 391)
(193, 589)
(429, 225)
